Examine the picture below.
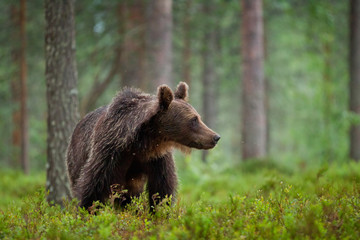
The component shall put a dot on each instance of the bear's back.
(79, 147)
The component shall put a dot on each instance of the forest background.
(306, 48)
(306, 69)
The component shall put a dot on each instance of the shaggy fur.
(130, 142)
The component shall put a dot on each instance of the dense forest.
(306, 71)
(278, 80)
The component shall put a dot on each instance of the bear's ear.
(165, 96)
(182, 91)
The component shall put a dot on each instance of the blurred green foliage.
(306, 45)
(14, 186)
(254, 200)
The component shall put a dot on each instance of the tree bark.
(159, 42)
(209, 73)
(132, 30)
(267, 85)
(62, 95)
(19, 88)
(15, 89)
(23, 102)
(253, 106)
(186, 54)
(354, 85)
(328, 101)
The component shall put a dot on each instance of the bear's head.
(179, 121)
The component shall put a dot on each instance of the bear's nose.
(216, 138)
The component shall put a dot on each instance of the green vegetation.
(255, 200)
(311, 190)
(14, 186)
(306, 69)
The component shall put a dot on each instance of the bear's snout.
(207, 143)
(216, 138)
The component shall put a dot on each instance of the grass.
(254, 200)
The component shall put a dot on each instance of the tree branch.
(98, 88)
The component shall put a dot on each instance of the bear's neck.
(151, 142)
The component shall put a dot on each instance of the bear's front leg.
(162, 179)
(98, 175)
(94, 183)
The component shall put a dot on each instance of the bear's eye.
(194, 121)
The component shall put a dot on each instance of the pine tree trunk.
(209, 74)
(62, 95)
(354, 85)
(19, 89)
(253, 108)
(267, 84)
(15, 89)
(186, 54)
(132, 28)
(328, 101)
(159, 42)
(23, 101)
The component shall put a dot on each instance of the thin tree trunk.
(23, 77)
(354, 85)
(62, 95)
(253, 111)
(19, 89)
(267, 84)
(186, 54)
(328, 101)
(132, 28)
(159, 42)
(16, 90)
(209, 74)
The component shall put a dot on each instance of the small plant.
(315, 204)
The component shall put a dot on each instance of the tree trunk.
(209, 74)
(186, 54)
(159, 42)
(132, 30)
(354, 85)
(253, 108)
(267, 85)
(328, 101)
(19, 89)
(23, 105)
(62, 95)
(15, 90)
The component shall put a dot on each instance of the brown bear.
(129, 143)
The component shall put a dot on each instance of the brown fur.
(130, 142)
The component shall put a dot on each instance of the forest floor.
(250, 201)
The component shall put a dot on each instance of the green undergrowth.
(251, 201)
(15, 186)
